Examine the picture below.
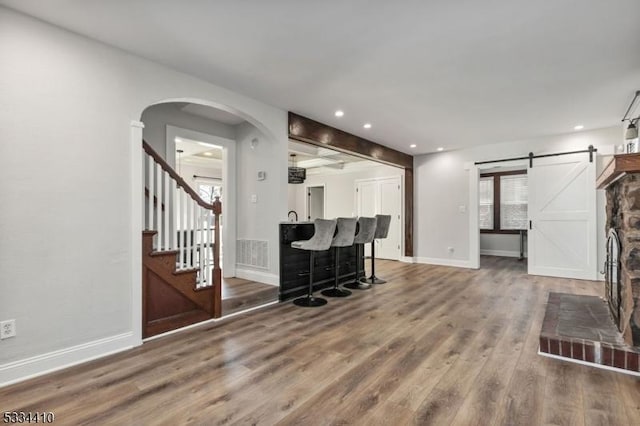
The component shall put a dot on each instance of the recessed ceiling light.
(413, 145)
(367, 125)
(339, 113)
(440, 148)
(208, 154)
(578, 127)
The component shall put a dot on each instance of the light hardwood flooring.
(436, 345)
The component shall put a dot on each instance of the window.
(486, 202)
(503, 202)
(209, 190)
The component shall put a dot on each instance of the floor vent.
(253, 253)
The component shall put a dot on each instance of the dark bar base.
(336, 292)
(310, 302)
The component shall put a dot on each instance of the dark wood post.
(217, 272)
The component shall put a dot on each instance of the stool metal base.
(310, 301)
(358, 285)
(373, 280)
(336, 292)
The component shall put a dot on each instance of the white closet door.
(382, 196)
(367, 198)
(562, 212)
(390, 202)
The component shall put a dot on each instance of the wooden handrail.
(181, 182)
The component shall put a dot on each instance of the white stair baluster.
(183, 227)
(165, 212)
(158, 207)
(194, 246)
(188, 230)
(207, 246)
(151, 186)
(174, 215)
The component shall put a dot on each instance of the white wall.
(442, 188)
(339, 189)
(69, 258)
(157, 117)
(501, 245)
(260, 219)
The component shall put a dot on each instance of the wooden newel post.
(217, 272)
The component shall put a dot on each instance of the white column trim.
(136, 216)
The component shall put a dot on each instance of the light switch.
(254, 198)
(462, 209)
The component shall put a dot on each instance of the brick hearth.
(581, 328)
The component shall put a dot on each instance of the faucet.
(294, 212)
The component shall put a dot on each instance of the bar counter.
(294, 263)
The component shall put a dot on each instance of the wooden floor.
(436, 345)
(239, 294)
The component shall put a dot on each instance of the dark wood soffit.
(307, 130)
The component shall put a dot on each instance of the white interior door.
(390, 202)
(382, 196)
(562, 212)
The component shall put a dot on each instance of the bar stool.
(382, 230)
(366, 231)
(323, 231)
(344, 238)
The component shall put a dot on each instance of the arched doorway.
(179, 225)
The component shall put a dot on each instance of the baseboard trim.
(258, 276)
(457, 263)
(501, 253)
(406, 259)
(39, 365)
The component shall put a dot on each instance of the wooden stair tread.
(164, 253)
(185, 271)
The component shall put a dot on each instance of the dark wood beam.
(307, 130)
(304, 129)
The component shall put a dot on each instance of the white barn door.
(562, 212)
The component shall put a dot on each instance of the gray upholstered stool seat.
(366, 232)
(323, 231)
(343, 238)
(382, 230)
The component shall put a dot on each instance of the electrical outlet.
(7, 329)
(450, 249)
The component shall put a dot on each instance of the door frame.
(324, 199)
(228, 231)
(402, 205)
(474, 208)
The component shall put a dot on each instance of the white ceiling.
(451, 73)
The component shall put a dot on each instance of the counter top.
(306, 222)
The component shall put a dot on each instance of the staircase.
(181, 274)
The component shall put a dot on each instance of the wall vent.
(253, 253)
